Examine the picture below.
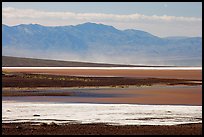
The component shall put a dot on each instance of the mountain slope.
(99, 43)
(8, 61)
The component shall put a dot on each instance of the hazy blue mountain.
(100, 43)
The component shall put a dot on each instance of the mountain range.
(100, 43)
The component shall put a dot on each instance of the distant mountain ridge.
(100, 43)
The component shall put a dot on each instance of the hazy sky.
(159, 18)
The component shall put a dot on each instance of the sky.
(158, 18)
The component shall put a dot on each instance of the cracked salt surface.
(115, 114)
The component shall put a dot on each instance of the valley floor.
(166, 87)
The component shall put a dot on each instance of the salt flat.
(115, 114)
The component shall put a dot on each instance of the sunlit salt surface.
(111, 68)
(115, 114)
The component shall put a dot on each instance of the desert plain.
(112, 86)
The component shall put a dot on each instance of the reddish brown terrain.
(169, 74)
(142, 90)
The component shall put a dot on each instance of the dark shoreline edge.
(26, 128)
